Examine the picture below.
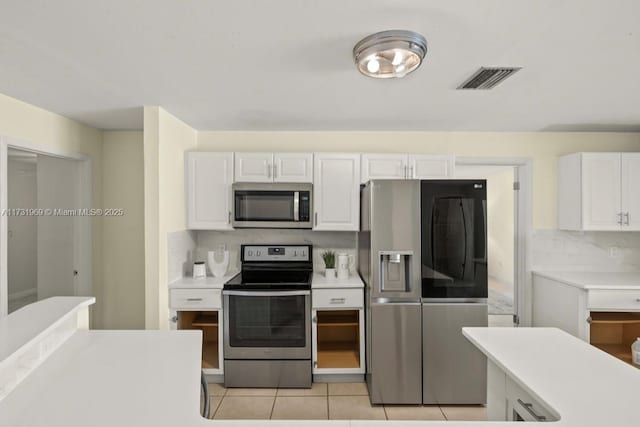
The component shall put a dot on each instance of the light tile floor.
(335, 401)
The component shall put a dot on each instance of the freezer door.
(395, 355)
(454, 370)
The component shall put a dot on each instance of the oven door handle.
(266, 293)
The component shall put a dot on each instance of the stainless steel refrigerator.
(422, 256)
(389, 263)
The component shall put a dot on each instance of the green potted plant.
(329, 258)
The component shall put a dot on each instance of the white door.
(253, 167)
(293, 167)
(209, 179)
(383, 166)
(336, 189)
(601, 191)
(631, 191)
(56, 189)
(428, 166)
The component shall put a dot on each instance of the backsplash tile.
(181, 246)
(338, 241)
(585, 251)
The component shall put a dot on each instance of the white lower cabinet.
(338, 331)
(201, 309)
(507, 401)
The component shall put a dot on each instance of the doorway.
(506, 222)
(45, 241)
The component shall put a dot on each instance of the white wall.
(22, 243)
(42, 128)
(123, 253)
(543, 147)
(166, 139)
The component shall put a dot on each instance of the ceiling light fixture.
(388, 54)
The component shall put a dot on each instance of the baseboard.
(22, 294)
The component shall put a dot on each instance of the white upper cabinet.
(631, 191)
(429, 166)
(209, 177)
(336, 191)
(273, 167)
(406, 166)
(254, 167)
(598, 191)
(383, 166)
(293, 167)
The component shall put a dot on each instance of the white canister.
(199, 270)
(344, 265)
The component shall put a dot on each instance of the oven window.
(264, 205)
(267, 321)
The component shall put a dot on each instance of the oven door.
(267, 325)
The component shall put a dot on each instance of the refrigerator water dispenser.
(395, 271)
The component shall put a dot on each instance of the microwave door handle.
(296, 206)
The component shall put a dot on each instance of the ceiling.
(287, 65)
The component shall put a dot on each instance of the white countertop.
(209, 282)
(31, 321)
(320, 282)
(151, 378)
(586, 386)
(594, 279)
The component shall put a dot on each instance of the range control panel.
(274, 253)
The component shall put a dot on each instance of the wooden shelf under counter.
(338, 339)
(614, 332)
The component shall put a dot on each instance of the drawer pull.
(637, 299)
(337, 300)
(529, 408)
(194, 299)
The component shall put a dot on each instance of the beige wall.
(42, 128)
(166, 138)
(543, 147)
(123, 250)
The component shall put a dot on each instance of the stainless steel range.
(267, 312)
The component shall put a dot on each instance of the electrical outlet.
(614, 252)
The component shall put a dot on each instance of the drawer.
(614, 300)
(527, 407)
(336, 298)
(195, 299)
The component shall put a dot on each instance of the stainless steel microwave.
(278, 205)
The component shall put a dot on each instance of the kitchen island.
(151, 378)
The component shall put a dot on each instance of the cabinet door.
(601, 191)
(209, 178)
(293, 167)
(631, 191)
(336, 189)
(383, 166)
(429, 166)
(254, 167)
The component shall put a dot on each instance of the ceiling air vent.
(488, 77)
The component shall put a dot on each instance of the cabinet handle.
(529, 408)
(637, 299)
(229, 217)
(275, 170)
(337, 301)
(315, 218)
(194, 299)
(410, 172)
(626, 215)
(620, 218)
